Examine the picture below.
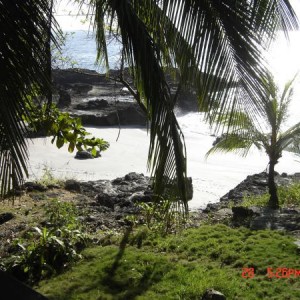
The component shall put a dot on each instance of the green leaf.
(94, 151)
(60, 142)
(71, 147)
(58, 241)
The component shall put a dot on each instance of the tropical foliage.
(44, 251)
(215, 45)
(23, 62)
(63, 128)
(265, 132)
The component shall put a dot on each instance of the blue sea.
(80, 48)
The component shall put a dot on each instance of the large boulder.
(86, 154)
(92, 105)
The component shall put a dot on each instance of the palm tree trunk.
(273, 201)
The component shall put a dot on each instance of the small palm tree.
(214, 46)
(264, 132)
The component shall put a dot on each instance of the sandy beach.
(212, 177)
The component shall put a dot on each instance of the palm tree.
(215, 46)
(264, 132)
(24, 31)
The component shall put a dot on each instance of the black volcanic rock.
(92, 104)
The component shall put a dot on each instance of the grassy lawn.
(140, 265)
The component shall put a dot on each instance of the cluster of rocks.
(110, 201)
(96, 99)
(115, 194)
(255, 218)
(102, 101)
(256, 184)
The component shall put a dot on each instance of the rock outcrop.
(101, 101)
(110, 201)
(97, 100)
(257, 184)
(287, 219)
(121, 192)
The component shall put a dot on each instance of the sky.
(283, 56)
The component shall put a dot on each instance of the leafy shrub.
(47, 250)
(63, 214)
(64, 128)
(162, 216)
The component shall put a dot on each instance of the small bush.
(163, 216)
(47, 250)
(288, 196)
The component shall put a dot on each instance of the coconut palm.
(215, 46)
(264, 132)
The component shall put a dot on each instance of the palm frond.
(167, 157)
(23, 63)
(232, 143)
(288, 137)
(216, 47)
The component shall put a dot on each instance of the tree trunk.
(273, 201)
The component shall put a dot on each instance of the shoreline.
(93, 98)
(212, 178)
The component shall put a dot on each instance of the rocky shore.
(101, 100)
(287, 219)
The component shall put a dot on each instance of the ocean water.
(80, 48)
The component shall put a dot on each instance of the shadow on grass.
(127, 287)
(124, 273)
(112, 271)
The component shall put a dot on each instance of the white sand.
(212, 178)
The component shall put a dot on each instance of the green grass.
(288, 196)
(183, 266)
